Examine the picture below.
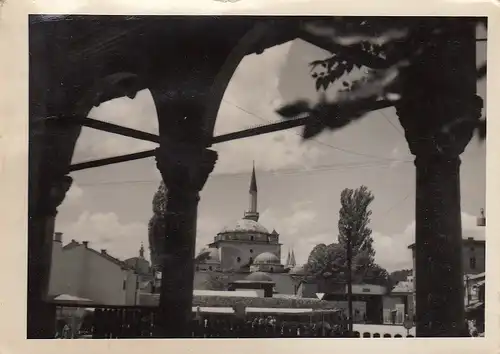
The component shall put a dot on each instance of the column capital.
(56, 190)
(439, 124)
(184, 168)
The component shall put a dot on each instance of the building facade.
(80, 271)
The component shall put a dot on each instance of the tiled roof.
(106, 256)
(112, 259)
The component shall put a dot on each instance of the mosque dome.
(245, 225)
(259, 276)
(266, 258)
(298, 270)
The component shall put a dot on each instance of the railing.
(113, 322)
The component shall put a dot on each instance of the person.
(66, 332)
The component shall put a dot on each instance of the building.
(473, 263)
(82, 272)
(243, 248)
(473, 256)
(399, 302)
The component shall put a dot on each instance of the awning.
(475, 306)
(71, 299)
(228, 310)
(277, 310)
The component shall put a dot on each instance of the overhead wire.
(313, 139)
(398, 203)
(277, 172)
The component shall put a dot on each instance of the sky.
(299, 181)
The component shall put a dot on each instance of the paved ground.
(391, 329)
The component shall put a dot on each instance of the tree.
(381, 51)
(399, 275)
(216, 282)
(354, 217)
(330, 261)
(325, 261)
(156, 225)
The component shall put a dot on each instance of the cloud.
(74, 194)
(244, 106)
(392, 251)
(206, 229)
(138, 113)
(298, 227)
(107, 231)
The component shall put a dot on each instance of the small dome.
(266, 258)
(259, 276)
(298, 270)
(209, 255)
(245, 225)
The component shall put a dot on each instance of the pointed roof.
(292, 259)
(253, 182)
(288, 258)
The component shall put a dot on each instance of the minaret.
(288, 259)
(252, 213)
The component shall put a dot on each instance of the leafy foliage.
(379, 48)
(330, 261)
(216, 282)
(156, 225)
(354, 217)
(399, 275)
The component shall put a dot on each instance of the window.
(251, 250)
(250, 260)
(251, 238)
(124, 284)
(238, 259)
(210, 268)
(271, 270)
(472, 263)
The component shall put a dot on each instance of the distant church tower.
(290, 260)
(252, 213)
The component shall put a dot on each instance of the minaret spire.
(252, 213)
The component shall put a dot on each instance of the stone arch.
(240, 51)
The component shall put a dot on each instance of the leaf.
(294, 109)
(319, 83)
(312, 129)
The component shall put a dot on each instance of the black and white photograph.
(256, 176)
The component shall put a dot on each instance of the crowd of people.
(262, 327)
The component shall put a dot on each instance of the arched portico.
(119, 60)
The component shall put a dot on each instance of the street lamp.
(349, 281)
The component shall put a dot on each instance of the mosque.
(247, 251)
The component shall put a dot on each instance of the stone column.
(439, 111)
(438, 249)
(41, 316)
(184, 170)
